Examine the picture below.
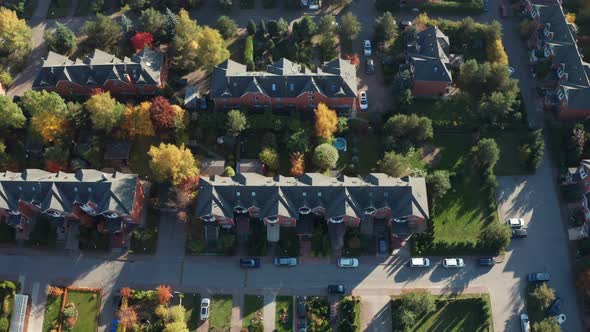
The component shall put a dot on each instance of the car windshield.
(203, 311)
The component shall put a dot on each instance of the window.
(547, 51)
(291, 87)
(310, 98)
(560, 95)
(255, 98)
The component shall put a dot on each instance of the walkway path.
(269, 312)
(375, 313)
(237, 311)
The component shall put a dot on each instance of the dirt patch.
(431, 155)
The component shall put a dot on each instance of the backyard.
(79, 313)
(192, 303)
(220, 318)
(52, 310)
(461, 313)
(284, 316)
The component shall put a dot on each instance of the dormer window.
(304, 210)
(546, 31)
(208, 218)
(53, 213)
(370, 211)
(88, 209)
(583, 173)
(560, 95)
(272, 220)
(112, 215)
(547, 51)
(560, 71)
(240, 210)
(337, 220)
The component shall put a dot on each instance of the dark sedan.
(249, 263)
(336, 289)
(369, 67)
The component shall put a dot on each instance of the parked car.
(367, 47)
(519, 233)
(561, 318)
(487, 261)
(205, 305)
(249, 263)
(348, 262)
(302, 325)
(538, 277)
(555, 307)
(451, 263)
(369, 66)
(419, 262)
(114, 325)
(515, 222)
(525, 324)
(336, 289)
(301, 307)
(382, 245)
(286, 261)
(364, 103)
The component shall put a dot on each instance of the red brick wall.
(65, 88)
(429, 88)
(568, 115)
(302, 102)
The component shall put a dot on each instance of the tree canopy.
(326, 121)
(11, 116)
(137, 120)
(350, 26)
(102, 33)
(15, 37)
(172, 163)
(211, 50)
(486, 153)
(236, 122)
(394, 164)
(325, 156)
(62, 40)
(105, 111)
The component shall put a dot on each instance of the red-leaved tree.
(162, 114)
(354, 59)
(141, 40)
(126, 292)
(164, 294)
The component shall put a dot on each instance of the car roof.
(418, 260)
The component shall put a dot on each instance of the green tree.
(211, 50)
(327, 25)
(548, 324)
(62, 40)
(495, 236)
(227, 27)
(540, 298)
(105, 111)
(495, 107)
(102, 33)
(270, 158)
(126, 24)
(11, 116)
(278, 29)
(439, 183)
(170, 24)
(418, 301)
(154, 22)
(185, 43)
(298, 141)
(304, 30)
(251, 28)
(532, 150)
(350, 26)
(35, 102)
(394, 164)
(413, 127)
(325, 156)
(328, 48)
(385, 31)
(137, 4)
(236, 122)
(249, 52)
(15, 38)
(486, 154)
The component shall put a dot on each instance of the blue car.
(249, 263)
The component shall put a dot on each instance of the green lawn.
(461, 214)
(52, 309)
(463, 313)
(145, 240)
(220, 317)
(55, 11)
(252, 305)
(508, 142)
(192, 303)
(447, 113)
(88, 306)
(284, 303)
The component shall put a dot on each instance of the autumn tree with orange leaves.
(126, 292)
(164, 294)
(326, 122)
(297, 164)
(137, 120)
(127, 317)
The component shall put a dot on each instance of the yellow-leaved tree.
(176, 164)
(137, 120)
(211, 50)
(326, 121)
(49, 125)
(496, 52)
(15, 37)
(184, 44)
(105, 111)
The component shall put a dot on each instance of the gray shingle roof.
(284, 79)
(59, 191)
(429, 55)
(286, 195)
(99, 67)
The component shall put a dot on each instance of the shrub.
(226, 26)
(161, 312)
(249, 52)
(3, 324)
(5, 78)
(164, 294)
(325, 156)
(141, 40)
(55, 291)
(229, 171)
(177, 313)
(270, 158)
(126, 292)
